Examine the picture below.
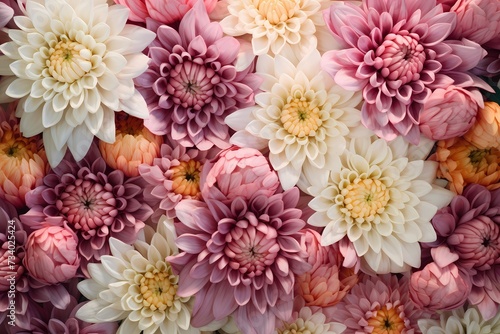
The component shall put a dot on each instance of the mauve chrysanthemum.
(240, 258)
(97, 203)
(192, 83)
(396, 52)
(470, 227)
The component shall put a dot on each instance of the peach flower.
(484, 132)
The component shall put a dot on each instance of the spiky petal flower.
(73, 65)
(381, 198)
(240, 258)
(396, 52)
(192, 83)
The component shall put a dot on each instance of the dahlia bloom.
(460, 321)
(23, 163)
(135, 284)
(381, 198)
(462, 163)
(470, 228)
(192, 83)
(95, 202)
(302, 116)
(134, 145)
(379, 304)
(166, 12)
(237, 172)
(450, 112)
(484, 132)
(72, 70)
(310, 320)
(396, 52)
(240, 258)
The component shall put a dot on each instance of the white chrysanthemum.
(307, 321)
(73, 63)
(301, 115)
(459, 321)
(275, 25)
(381, 198)
(136, 285)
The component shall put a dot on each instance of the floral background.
(250, 166)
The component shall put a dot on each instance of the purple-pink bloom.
(192, 83)
(240, 258)
(397, 52)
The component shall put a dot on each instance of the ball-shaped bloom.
(449, 112)
(166, 12)
(72, 66)
(237, 172)
(396, 52)
(192, 82)
(484, 132)
(23, 163)
(52, 254)
(240, 258)
(381, 198)
(134, 145)
(96, 203)
(302, 116)
(310, 320)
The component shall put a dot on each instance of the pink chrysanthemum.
(95, 202)
(396, 52)
(240, 258)
(192, 83)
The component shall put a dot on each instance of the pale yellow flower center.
(158, 289)
(386, 321)
(365, 198)
(186, 178)
(15, 146)
(68, 61)
(299, 118)
(276, 11)
(294, 328)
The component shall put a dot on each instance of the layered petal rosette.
(72, 66)
(310, 320)
(381, 198)
(240, 258)
(192, 83)
(397, 52)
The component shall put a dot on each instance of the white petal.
(135, 106)
(79, 142)
(54, 155)
(19, 88)
(107, 131)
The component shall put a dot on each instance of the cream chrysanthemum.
(136, 285)
(301, 115)
(381, 198)
(310, 320)
(72, 64)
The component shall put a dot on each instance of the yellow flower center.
(386, 321)
(68, 60)
(158, 289)
(186, 178)
(365, 198)
(13, 145)
(276, 11)
(299, 118)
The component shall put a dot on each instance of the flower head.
(310, 320)
(484, 132)
(192, 83)
(72, 70)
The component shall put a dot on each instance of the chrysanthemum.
(485, 131)
(73, 65)
(95, 202)
(301, 115)
(396, 52)
(192, 83)
(23, 163)
(379, 305)
(136, 284)
(381, 198)
(240, 258)
(310, 320)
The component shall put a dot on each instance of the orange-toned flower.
(134, 145)
(484, 133)
(462, 163)
(23, 162)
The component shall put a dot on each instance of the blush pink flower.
(396, 52)
(192, 83)
(6, 13)
(238, 172)
(240, 258)
(450, 112)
